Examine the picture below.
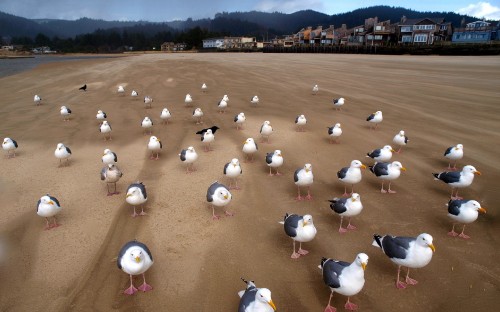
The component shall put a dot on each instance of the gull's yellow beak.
(482, 210)
(393, 150)
(403, 168)
(226, 197)
(363, 166)
(137, 259)
(363, 265)
(431, 246)
(477, 172)
(51, 202)
(271, 303)
(279, 155)
(128, 195)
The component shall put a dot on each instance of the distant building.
(424, 30)
(230, 43)
(477, 32)
(382, 33)
(173, 47)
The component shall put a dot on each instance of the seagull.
(47, 207)
(411, 252)
(111, 174)
(300, 229)
(375, 118)
(189, 156)
(84, 87)
(37, 99)
(383, 154)
(304, 177)
(338, 103)
(457, 179)
(101, 115)
(315, 89)
(255, 100)
(165, 115)
(351, 175)
(213, 128)
(222, 105)
(300, 121)
(62, 152)
(274, 160)
(233, 170)
(218, 195)
(197, 114)
(208, 136)
(249, 148)
(121, 90)
(400, 139)
(105, 128)
(65, 112)
(154, 145)
(387, 171)
(204, 88)
(266, 130)
(347, 207)
(335, 132)
(454, 153)
(255, 299)
(134, 93)
(147, 124)
(239, 120)
(10, 145)
(137, 196)
(188, 100)
(344, 278)
(465, 212)
(148, 100)
(109, 157)
(135, 258)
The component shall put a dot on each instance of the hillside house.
(423, 30)
(477, 32)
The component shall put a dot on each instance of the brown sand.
(439, 101)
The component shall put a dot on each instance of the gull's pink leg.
(142, 211)
(109, 193)
(134, 214)
(329, 308)
(400, 284)
(345, 191)
(382, 189)
(341, 229)
(301, 251)
(214, 216)
(350, 306)
(145, 287)
(270, 172)
(294, 254)
(277, 173)
(350, 226)
(410, 281)
(55, 223)
(229, 214)
(389, 189)
(452, 232)
(115, 192)
(131, 290)
(47, 227)
(309, 197)
(462, 235)
(298, 192)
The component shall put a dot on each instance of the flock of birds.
(345, 278)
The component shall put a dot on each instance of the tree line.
(116, 41)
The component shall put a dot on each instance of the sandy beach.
(439, 102)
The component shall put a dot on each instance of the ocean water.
(10, 67)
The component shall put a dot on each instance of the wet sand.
(439, 102)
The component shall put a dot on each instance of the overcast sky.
(168, 10)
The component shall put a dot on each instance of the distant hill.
(258, 24)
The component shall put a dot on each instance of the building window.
(378, 37)
(406, 29)
(420, 38)
(406, 38)
(379, 28)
